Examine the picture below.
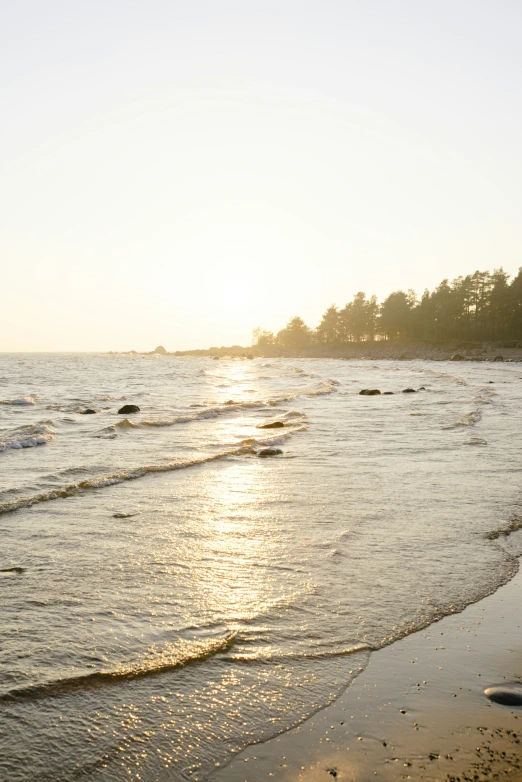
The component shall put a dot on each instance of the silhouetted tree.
(296, 334)
(394, 321)
(328, 332)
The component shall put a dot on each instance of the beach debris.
(369, 392)
(271, 425)
(506, 694)
(264, 452)
(89, 411)
(126, 409)
(408, 391)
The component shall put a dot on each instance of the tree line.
(479, 307)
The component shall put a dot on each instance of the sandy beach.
(417, 712)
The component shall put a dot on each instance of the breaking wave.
(27, 436)
(31, 399)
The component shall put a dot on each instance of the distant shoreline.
(373, 351)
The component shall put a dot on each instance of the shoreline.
(418, 710)
(377, 351)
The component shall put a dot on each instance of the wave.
(22, 400)
(326, 387)
(125, 424)
(200, 651)
(470, 419)
(306, 655)
(121, 476)
(27, 436)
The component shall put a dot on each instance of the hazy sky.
(181, 172)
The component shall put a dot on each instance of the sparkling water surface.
(167, 597)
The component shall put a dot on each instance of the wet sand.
(417, 712)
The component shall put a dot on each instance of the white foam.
(27, 436)
(31, 399)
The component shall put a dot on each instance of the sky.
(179, 173)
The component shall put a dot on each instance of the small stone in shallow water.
(506, 694)
(123, 515)
(271, 425)
(369, 392)
(388, 393)
(15, 569)
(89, 411)
(126, 409)
(269, 452)
(408, 391)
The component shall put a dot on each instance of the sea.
(169, 595)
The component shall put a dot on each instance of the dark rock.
(408, 391)
(160, 349)
(505, 694)
(498, 358)
(269, 452)
(388, 393)
(15, 569)
(89, 411)
(123, 515)
(369, 392)
(422, 388)
(126, 409)
(271, 425)
(457, 357)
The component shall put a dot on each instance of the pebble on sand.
(506, 694)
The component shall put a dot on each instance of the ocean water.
(167, 596)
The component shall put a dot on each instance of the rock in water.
(160, 349)
(408, 391)
(269, 452)
(457, 357)
(498, 358)
(272, 425)
(388, 393)
(126, 409)
(369, 392)
(506, 694)
(89, 411)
